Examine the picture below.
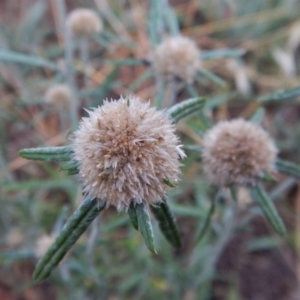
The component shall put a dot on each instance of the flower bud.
(83, 22)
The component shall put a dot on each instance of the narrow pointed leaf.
(281, 95)
(145, 226)
(169, 183)
(214, 78)
(268, 208)
(267, 177)
(156, 22)
(185, 108)
(73, 229)
(48, 153)
(207, 221)
(171, 20)
(133, 217)
(222, 53)
(31, 60)
(125, 62)
(288, 168)
(258, 116)
(167, 223)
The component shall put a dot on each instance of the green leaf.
(38, 184)
(262, 198)
(263, 243)
(213, 77)
(169, 183)
(288, 168)
(26, 31)
(258, 116)
(133, 216)
(71, 167)
(167, 223)
(48, 153)
(9, 257)
(185, 108)
(145, 226)
(222, 53)
(125, 62)
(281, 95)
(207, 221)
(267, 177)
(35, 61)
(218, 100)
(73, 229)
(156, 22)
(171, 20)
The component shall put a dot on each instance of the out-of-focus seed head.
(177, 57)
(127, 151)
(237, 152)
(83, 22)
(59, 95)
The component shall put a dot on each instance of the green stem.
(268, 208)
(207, 221)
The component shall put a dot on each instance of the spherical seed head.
(177, 57)
(59, 95)
(237, 152)
(84, 22)
(126, 151)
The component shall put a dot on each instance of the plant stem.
(69, 58)
(84, 56)
(172, 93)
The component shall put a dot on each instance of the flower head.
(84, 22)
(127, 151)
(177, 57)
(59, 95)
(237, 152)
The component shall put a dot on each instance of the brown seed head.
(177, 57)
(84, 22)
(126, 150)
(237, 152)
(59, 95)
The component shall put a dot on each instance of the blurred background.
(249, 49)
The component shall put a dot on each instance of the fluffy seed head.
(237, 152)
(84, 22)
(59, 95)
(177, 57)
(126, 151)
